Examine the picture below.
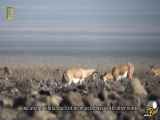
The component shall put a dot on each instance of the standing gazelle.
(77, 74)
(120, 72)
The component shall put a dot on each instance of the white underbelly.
(120, 77)
(75, 80)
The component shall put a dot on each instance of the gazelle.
(120, 72)
(155, 71)
(77, 74)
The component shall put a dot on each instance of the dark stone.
(23, 116)
(90, 100)
(74, 98)
(19, 101)
(43, 92)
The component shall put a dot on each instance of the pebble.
(75, 99)
(44, 115)
(138, 88)
(54, 100)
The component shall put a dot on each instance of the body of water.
(79, 44)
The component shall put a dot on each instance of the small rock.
(24, 86)
(113, 95)
(7, 102)
(54, 100)
(14, 91)
(92, 101)
(44, 115)
(98, 115)
(80, 115)
(1, 104)
(106, 115)
(34, 93)
(126, 116)
(137, 87)
(8, 114)
(23, 116)
(109, 115)
(19, 101)
(118, 86)
(152, 86)
(75, 99)
(103, 95)
(65, 116)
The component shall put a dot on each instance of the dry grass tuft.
(34, 72)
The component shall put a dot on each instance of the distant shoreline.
(77, 60)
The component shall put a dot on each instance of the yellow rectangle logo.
(10, 13)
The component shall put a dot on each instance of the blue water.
(79, 44)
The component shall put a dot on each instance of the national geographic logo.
(10, 13)
(151, 110)
(7, 13)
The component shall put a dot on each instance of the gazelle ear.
(130, 71)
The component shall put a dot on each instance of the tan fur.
(156, 72)
(123, 71)
(77, 74)
(108, 76)
(120, 71)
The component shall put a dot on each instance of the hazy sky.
(102, 15)
(85, 20)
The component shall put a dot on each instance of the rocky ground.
(32, 99)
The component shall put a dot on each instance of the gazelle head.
(151, 71)
(91, 74)
(107, 76)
